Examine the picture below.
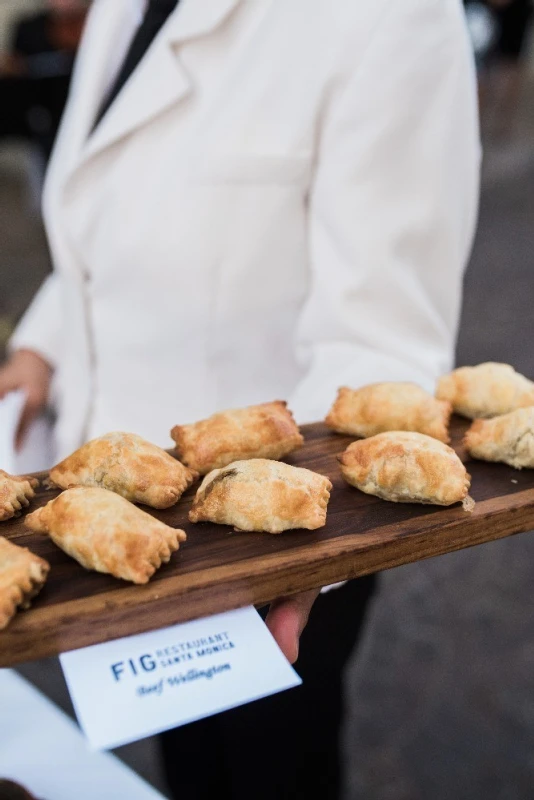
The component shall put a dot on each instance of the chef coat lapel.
(160, 81)
(110, 27)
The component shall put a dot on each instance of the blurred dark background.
(442, 696)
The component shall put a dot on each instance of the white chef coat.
(281, 200)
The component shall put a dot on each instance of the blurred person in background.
(503, 27)
(250, 201)
(35, 73)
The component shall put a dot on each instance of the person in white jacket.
(253, 200)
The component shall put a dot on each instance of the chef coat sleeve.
(393, 208)
(40, 327)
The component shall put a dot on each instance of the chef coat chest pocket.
(261, 277)
(281, 170)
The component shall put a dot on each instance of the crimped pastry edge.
(20, 595)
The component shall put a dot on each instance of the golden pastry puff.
(407, 467)
(127, 465)
(106, 533)
(22, 576)
(15, 493)
(486, 390)
(509, 438)
(391, 406)
(264, 431)
(262, 495)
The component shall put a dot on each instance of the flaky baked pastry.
(407, 467)
(127, 465)
(22, 576)
(383, 407)
(15, 493)
(486, 390)
(262, 495)
(508, 438)
(105, 532)
(264, 431)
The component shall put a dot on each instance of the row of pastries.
(401, 454)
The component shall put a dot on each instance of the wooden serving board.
(218, 570)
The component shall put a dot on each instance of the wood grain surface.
(218, 570)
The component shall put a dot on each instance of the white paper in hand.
(37, 452)
(43, 749)
(141, 685)
(10, 410)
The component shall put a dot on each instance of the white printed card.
(135, 687)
